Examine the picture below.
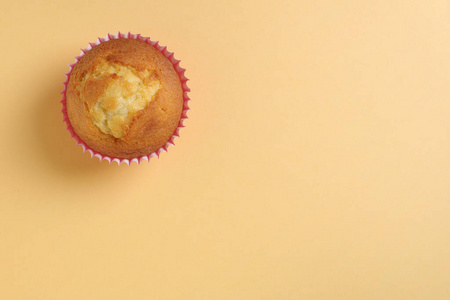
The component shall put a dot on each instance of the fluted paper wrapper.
(178, 69)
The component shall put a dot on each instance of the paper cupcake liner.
(180, 71)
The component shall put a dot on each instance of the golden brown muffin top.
(124, 98)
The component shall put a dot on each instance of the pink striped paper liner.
(178, 69)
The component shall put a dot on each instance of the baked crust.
(139, 131)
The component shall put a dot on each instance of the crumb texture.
(127, 93)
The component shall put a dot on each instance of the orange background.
(315, 163)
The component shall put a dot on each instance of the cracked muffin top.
(124, 98)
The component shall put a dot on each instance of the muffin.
(124, 98)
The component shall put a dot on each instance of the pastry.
(124, 98)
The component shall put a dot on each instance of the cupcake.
(124, 98)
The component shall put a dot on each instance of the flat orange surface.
(315, 163)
